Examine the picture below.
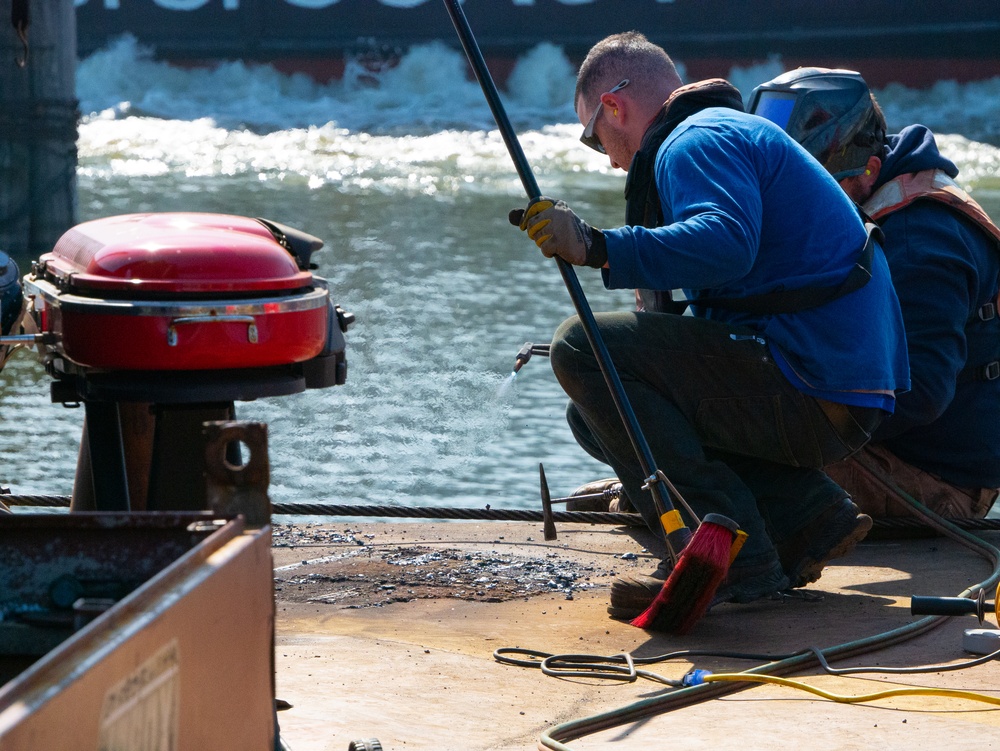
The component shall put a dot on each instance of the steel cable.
(895, 524)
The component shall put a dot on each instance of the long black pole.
(586, 315)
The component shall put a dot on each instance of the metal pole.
(658, 487)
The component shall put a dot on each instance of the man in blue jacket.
(940, 446)
(779, 371)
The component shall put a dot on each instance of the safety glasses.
(589, 138)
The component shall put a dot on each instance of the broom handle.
(677, 538)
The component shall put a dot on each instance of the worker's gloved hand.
(557, 231)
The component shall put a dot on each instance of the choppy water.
(409, 184)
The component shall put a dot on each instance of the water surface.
(409, 184)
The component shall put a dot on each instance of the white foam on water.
(418, 127)
(428, 91)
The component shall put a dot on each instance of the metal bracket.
(232, 489)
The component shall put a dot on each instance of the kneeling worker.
(765, 379)
(943, 251)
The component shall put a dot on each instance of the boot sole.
(813, 570)
(624, 614)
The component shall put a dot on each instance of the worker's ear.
(860, 187)
(616, 107)
(872, 170)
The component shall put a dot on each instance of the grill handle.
(249, 320)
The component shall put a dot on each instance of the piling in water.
(38, 130)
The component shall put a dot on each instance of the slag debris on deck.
(356, 570)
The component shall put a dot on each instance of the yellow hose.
(757, 678)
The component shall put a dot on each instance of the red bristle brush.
(697, 574)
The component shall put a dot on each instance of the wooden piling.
(38, 128)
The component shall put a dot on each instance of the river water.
(406, 179)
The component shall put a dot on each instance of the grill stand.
(143, 445)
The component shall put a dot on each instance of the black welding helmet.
(10, 293)
(829, 111)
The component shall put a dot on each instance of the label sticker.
(142, 711)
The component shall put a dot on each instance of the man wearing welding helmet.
(762, 385)
(940, 444)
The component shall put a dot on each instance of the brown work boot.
(612, 497)
(833, 534)
(631, 594)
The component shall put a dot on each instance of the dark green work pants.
(721, 420)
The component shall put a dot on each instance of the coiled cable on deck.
(617, 667)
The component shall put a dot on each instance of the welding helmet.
(10, 293)
(830, 112)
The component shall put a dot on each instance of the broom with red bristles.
(700, 560)
(697, 574)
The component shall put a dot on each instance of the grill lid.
(173, 253)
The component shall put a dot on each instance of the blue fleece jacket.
(944, 268)
(747, 211)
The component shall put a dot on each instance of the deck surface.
(420, 674)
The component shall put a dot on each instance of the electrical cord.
(502, 653)
(622, 666)
(902, 671)
(889, 693)
(618, 667)
(586, 666)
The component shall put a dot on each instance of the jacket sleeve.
(711, 200)
(936, 279)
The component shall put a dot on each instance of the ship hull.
(707, 36)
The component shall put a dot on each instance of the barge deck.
(374, 642)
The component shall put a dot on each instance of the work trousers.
(855, 474)
(721, 421)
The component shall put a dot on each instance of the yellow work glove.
(557, 231)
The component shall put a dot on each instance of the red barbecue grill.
(188, 312)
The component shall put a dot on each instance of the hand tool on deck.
(921, 605)
(983, 641)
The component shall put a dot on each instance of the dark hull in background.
(915, 42)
